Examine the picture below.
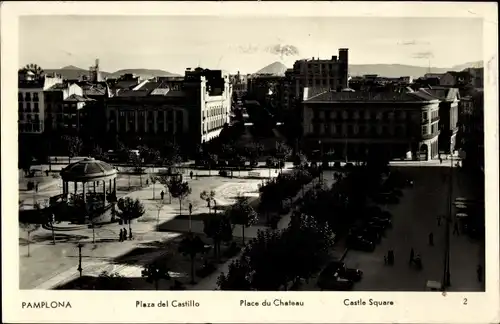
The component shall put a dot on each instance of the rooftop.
(77, 98)
(331, 96)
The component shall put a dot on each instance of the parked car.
(337, 165)
(397, 192)
(382, 222)
(354, 275)
(360, 243)
(339, 284)
(385, 215)
(349, 166)
(367, 234)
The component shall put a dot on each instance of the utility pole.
(80, 269)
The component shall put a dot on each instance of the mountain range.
(73, 72)
(386, 70)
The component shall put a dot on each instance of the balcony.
(435, 119)
(430, 136)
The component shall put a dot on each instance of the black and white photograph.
(251, 153)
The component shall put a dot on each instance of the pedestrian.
(56, 159)
(431, 239)
(124, 234)
(412, 255)
(121, 234)
(455, 229)
(162, 194)
(440, 159)
(190, 208)
(36, 187)
(147, 182)
(191, 175)
(479, 272)
(439, 220)
(47, 173)
(130, 236)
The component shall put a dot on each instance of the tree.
(159, 206)
(156, 271)
(237, 277)
(130, 209)
(35, 69)
(190, 246)
(179, 189)
(97, 152)
(218, 227)
(283, 152)
(241, 213)
(74, 146)
(138, 163)
(29, 228)
(153, 180)
(165, 181)
(208, 197)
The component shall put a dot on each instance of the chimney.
(344, 55)
(334, 58)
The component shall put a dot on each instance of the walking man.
(121, 234)
(124, 234)
(431, 239)
(162, 194)
(130, 234)
(412, 255)
(479, 272)
(440, 159)
(455, 228)
(190, 208)
(191, 175)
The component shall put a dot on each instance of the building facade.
(187, 112)
(349, 125)
(31, 100)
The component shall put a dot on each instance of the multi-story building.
(64, 104)
(188, 112)
(322, 73)
(31, 100)
(470, 137)
(448, 115)
(350, 124)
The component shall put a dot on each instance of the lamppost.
(321, 161)
(446, 272)
(80, 269)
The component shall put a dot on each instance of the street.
(413, 219)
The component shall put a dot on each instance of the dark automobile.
(335, 283)
(354, 275)
(385, 215)
(361, 244)
(397, 192)
(382, 222)
(367, 234)
(337, 165)
(222, 163)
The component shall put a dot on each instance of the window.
(402, 114)
(20, 116)
(28, 106)
(35, 96)
(391, 115)
(345, 114)
(425, 130)
(35, 109)
(322, 115)
(356, 114)
(28, 116)
(28, 96)
(424, 116)
(333, 114)
(21, 106)
(20, 96)
(368, 115)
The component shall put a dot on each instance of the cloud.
(283, 50)
(413, 43)
(423, 55)
(247, 49)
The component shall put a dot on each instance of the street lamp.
(321, 162)
(446, 272)
(80, 269)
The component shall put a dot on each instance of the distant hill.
(144, 73)
(73, 72)
(276, 68)
(386, 70)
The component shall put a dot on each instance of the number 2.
(464, 301)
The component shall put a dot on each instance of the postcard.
(250, 162)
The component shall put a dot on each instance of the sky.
(245, 44)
